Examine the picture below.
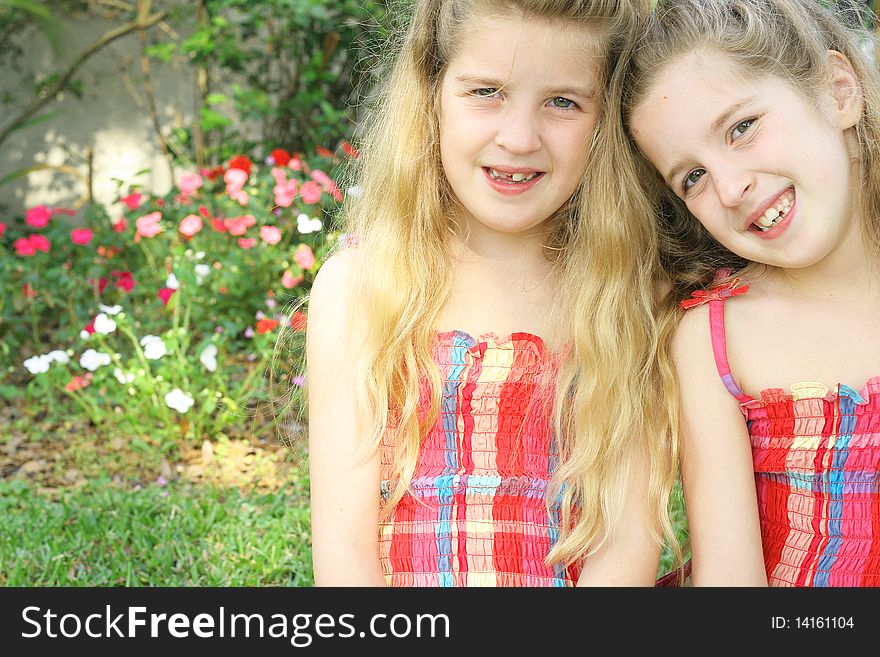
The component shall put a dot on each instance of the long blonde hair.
(604, 252)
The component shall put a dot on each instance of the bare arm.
(716, 465)
(344, 473)
(632, 555)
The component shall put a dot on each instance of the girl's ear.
(846, 90)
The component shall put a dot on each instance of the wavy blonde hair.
(602, 246)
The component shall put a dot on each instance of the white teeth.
(517, 177)
(773, 215)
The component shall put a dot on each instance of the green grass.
(178, 535)
(102, 535)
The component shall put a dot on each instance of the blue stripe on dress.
(847, 400)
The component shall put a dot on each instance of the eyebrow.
(722, 119)
(567, 90)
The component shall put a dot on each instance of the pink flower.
(133, 200)
(191, 224)
(38, 217)
(304, 256)
(295, 163)
(235, 180)
(239, 225)
(247, 242)
(79, 382)
(288, 280)
(321, 178)
(40, 243)
(189, 183)
(2, 228)
(23, 247)
(310, 192)
(285, 192)
(28, 246)
(66, 211)
(120, 226)
(165, 294)
(270, 234)
(148, 225)
(218, 224)
(81, 235)
(280, 175)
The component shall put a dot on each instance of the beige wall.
(111, 117)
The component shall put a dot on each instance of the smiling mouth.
(513, 177)
(775, 213)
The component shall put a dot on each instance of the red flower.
(204, 211)
(218, 225)
(90, 328)
(323, 152)
(212, 174)
(266, 325)
(2, 228)
(298, 321)
(281, 157)
(67, 211)
(81, 235)
(28, 291)
(101, 284)
(242, 162)
(350, 150)
(120, 225)
(38, 217)
(247, 242)
(79, 382)
(165, 294)
(124, 280)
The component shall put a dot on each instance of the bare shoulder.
(330, 304)
(692, 340)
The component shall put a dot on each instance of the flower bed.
(160, 314)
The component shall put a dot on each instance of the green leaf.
(161, 51)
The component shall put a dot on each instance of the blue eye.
(693, 178)
(563, 103)
(741, 128)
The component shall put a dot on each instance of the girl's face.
(768, 173)
(518, 106)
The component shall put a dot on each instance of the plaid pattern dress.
(817, 468)
(476, 513)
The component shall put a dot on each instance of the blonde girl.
(760, 121)
(483, 407)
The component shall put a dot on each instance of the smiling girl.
(759, 119)
(478, 350)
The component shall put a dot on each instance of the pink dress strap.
(715, 297)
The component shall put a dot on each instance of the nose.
(732, 184)
(518, 130)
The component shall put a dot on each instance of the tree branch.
(55, 89)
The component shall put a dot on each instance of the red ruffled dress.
(477, 512)
(817, 468)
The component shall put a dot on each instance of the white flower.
(38, 364)
(153, 346)
(58, 356)
(84, 335)
(201, 272)
(171, 281)
(355, 192)
(104, 325)
(179, 400)
(111, 310)
(306, 224)
(92, 360)
(122, 377)
(208, 357)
